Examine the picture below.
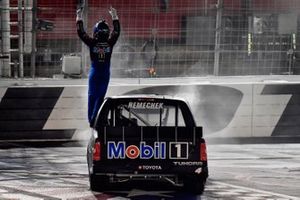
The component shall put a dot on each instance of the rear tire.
(194, 184)
(98, 183)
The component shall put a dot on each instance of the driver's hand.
(79, 14)
(113, 13)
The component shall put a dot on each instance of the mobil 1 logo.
(119, 150)
(178, 150)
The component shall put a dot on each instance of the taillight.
(203, 154)
(97, 151)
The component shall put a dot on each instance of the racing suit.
(99, 74)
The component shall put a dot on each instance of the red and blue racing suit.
(99, 74)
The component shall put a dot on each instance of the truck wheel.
(98, 183)
(194, 184)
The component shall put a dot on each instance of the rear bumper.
(174, 176)
(120, 178)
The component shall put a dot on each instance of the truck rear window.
(144, 114)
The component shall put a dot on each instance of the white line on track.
(258, 191)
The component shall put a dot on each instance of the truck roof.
(142, 96)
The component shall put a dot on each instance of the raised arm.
(80, 29)
(116, 31)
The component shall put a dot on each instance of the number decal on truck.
(178, 147)
(178, 150)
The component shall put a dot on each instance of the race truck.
(146, 138)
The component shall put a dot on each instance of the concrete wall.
(224, 110)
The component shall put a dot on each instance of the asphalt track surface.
(237, 171)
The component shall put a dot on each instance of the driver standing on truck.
(101, 47)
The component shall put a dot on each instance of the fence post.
(20, 30)
(218, 37)
(34, 29)
(5, 30)
(15, 69)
